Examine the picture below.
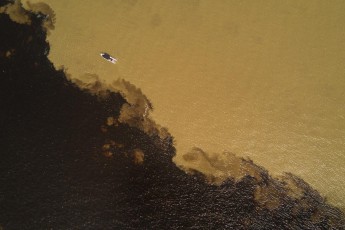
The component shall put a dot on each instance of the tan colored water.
(264, 79)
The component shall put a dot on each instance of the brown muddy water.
(261, 79)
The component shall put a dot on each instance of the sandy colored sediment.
(263, 79)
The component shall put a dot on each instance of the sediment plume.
(72, 158)
(135, 112)
(269, 192)
(16, 12)
(46, 11)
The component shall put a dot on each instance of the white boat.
(107, 57)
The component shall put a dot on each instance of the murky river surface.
(263, 79)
